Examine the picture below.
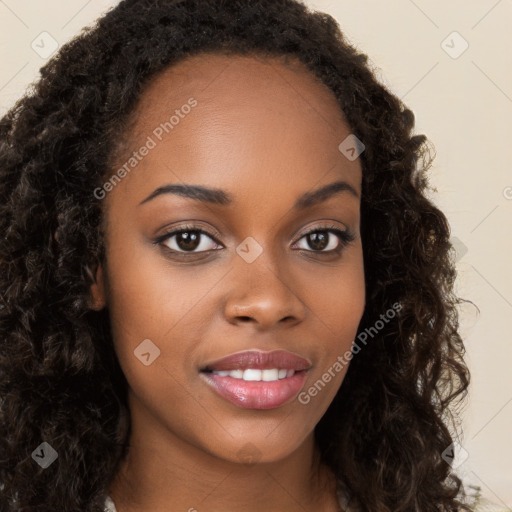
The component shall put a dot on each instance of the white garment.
(109, 505)
(475, 501)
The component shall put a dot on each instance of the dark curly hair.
(384, 434)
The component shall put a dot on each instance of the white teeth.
(270, 375)
(251, 374)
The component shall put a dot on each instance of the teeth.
(270, 375)
(251, 374)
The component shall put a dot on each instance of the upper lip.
(257, 359)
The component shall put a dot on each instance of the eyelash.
(344, 236)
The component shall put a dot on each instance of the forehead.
(240, 82)
(254, 118)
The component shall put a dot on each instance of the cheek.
(152, 327)
(338, 299)
(157, 309)
(337, 304)
(149, 298)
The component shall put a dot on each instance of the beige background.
(463, 103)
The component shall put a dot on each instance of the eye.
(327, 239)
(192, 239)
(188, 239)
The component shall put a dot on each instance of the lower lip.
(257, 394)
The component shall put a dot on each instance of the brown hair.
(60, 382)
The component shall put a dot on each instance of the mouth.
(257, 380)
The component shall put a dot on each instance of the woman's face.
(262, 137)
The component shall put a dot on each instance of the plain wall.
(463, 103)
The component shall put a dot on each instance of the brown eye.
(326, 240)
(319, 240)
(188, 240)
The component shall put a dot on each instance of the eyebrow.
(218, 196)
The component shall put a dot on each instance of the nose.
(264, 293)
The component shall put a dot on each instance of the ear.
(97, 299)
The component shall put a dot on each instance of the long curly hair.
(386, 430)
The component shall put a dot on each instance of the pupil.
(321, 237)
(187, 241)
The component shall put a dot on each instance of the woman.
(223, 285)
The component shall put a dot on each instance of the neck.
(162, 473)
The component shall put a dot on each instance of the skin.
(265, 132)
